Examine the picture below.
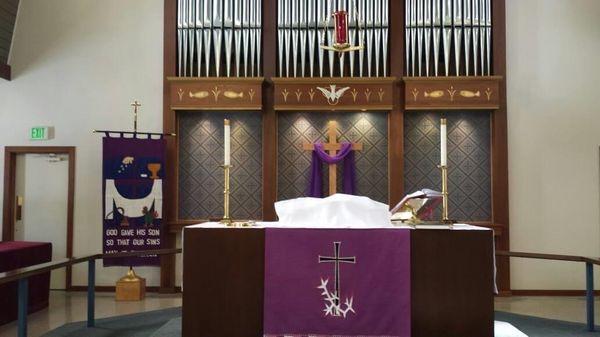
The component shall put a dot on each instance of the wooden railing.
(22, 276)
(589, 275)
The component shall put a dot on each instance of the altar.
(268, 280)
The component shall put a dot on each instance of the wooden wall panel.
(396, 116)
(167, 262)
(331, 93)
(450, 93)
(500, 146)
(5, 72)
(269, 45)
(189, 93)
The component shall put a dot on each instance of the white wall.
(77, 64)
(553, 137)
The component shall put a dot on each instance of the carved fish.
(199, 94)
(434, 94)
(233, 94)
(469, 94)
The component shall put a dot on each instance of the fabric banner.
(337, 282)
(133, 171)
(319, 155)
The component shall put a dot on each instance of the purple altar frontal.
(274, 281)
(337, 282)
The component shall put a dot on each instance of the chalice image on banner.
(154, 168)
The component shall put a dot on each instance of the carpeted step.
(542, 327)
(143, 324)
(171, 329)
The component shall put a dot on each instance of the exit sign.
(39, 133)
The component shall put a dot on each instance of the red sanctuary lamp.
(340, 21)
(340, 36)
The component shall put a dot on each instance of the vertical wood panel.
(167, 262)
(396, 117)
(269, 116)
(70, 214)
(500, 144)
(224, 282)
(10, 162)
(5, 72)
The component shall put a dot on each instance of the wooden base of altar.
(451, 282)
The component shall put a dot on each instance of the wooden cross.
(135, 106)
(332, 147)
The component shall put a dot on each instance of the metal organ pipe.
(219, 30)
(303, 25)
(207, 34)
(198, 33)
(460, 32)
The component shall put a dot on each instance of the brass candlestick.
(445, 218)
(226, 218)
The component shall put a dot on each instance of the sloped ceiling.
(8, 15)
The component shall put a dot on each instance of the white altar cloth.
(338, 210)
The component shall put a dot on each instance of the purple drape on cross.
(319, 156)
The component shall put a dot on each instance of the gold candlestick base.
(226, 218)
(445, 218)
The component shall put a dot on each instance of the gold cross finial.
(135, 106)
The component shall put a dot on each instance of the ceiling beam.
(5, 71)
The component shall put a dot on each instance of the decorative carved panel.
(201, 93)
(200, 156)
(429, 93)
(293, 163)
(469, 164)
(334, 93)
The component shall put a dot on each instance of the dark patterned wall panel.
(295, 128)
(200, 157)
(469, 165)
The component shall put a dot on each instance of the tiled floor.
(72, 307)
(571, 309)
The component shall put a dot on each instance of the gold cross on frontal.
(135, 106)
(332, 147)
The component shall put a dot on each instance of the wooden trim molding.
(269, 128)
(112, 289)
(171, 184)
(217, 80)
(499, 144)
(334, 94)
(396, 114)
(450, 93)
(5, 71)
(550, 292)
(212, 93)
(10, 168)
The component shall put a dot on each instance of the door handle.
(19, 208)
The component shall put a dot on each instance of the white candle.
(443, 142)
(227, 143)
